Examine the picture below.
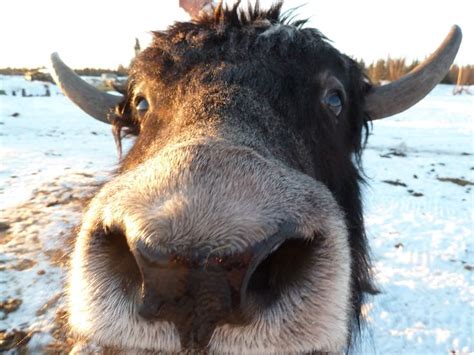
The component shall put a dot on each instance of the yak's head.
(234, 224)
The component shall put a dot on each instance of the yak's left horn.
(91, 100)
(390, 99)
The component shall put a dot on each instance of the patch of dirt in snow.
(395, 182)
(35, 240)
(457, 181)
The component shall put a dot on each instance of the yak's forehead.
(237, 39)
(203, 72)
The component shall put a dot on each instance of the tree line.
(381, 70)
(120, 71)
(392, 69)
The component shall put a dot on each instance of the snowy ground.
(419, 214)
(422, 233)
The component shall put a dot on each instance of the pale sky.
(101, 33)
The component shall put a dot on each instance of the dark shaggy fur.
(227, 49)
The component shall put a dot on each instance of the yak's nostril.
(117, 258)
(280, 270)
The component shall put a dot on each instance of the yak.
(234, 224)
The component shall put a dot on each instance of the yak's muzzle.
(198, 290)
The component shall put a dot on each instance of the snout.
(218, 256)
(198, 289)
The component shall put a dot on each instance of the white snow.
(421, 234)
(50, 137)
(427, 304)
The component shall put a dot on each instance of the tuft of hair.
(235, 16)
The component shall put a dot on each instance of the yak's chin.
(297, 301)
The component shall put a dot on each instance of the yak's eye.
(141, 105)
(333, 100)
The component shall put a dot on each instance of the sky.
(101, 33)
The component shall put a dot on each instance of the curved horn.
(387, 100)
(90, 99)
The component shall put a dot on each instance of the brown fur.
(236, 142)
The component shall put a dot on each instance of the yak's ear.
(94, 102)
(400, 95)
